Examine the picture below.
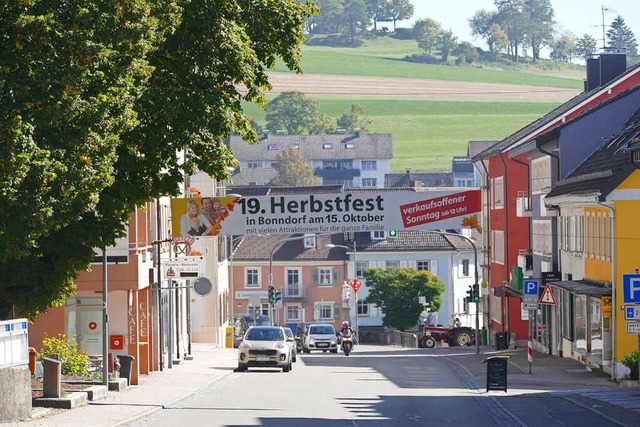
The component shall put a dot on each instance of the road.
(375, 386)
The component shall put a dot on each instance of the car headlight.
(312, 342)
(244, 345)
(281, 345)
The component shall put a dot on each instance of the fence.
(388, 336)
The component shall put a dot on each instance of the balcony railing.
(294, 292)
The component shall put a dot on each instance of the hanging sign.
(355, 284)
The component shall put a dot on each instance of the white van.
(320, 337)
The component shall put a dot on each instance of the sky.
(577, 16)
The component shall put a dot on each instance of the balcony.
(523, 204)
(525, 261)
(294, 292)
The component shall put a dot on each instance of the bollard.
(52, 374)
(32, 360)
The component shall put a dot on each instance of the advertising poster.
(327, 213)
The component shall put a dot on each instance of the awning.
(582, 288)
(508, 292)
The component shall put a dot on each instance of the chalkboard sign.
(497, 373)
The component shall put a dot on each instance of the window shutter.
(334, 276)
(336, 311)
(433, 266)
(316, 311)
(316, 277)
(412, 264)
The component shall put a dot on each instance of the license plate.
(427, 334)
(323, 344)
(262, 358)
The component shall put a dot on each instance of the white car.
(320, 336)
(291, 340)
(264, 347)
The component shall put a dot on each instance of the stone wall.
(15, 394)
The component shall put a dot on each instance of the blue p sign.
(631, 287)
(531, 287)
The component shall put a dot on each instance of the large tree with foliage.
(586, 46)
(295, 113)
(563, 48)
(480, 24)
(400, 10)
(447, 42)
(355, 119)
(539, 24)
(355, 18)
(620, 37)
(97, 100)
(293, 170)
(327, 20)
(513, 21)
(427, 32)
(379, 11)
(396, 292)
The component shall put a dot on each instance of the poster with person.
(200, 216)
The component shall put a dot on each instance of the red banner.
(440, 208)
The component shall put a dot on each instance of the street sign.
(547, 296)
(529, 306)
(484, 289)
(631, 287)
(632, 312)
(530, 287)
(183, 268)
(632, 328)
(530, 299)
(355, 284)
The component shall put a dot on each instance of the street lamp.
(232, 241)
(477, 285)
(355, 273)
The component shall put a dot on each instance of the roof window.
(272, 147)
(327, 146)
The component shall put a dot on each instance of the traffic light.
(393, 233)
(278, 296)
(272, 294)
(469, 298)
(476, 293)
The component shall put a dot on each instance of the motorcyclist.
(346, 329)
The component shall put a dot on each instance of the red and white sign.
(355, 284)
(547, 296)
(440, 208)
(93, 326)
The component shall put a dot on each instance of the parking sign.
(631, 287)
(530, 287)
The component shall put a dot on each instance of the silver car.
(291, 340)
(264, 347)
(320, 336)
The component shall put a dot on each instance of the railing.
(293, 292)
(389, 336)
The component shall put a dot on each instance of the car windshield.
(259, 334)
(322, 330)
(289, 333)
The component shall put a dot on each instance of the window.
(292, 288)
(369, 165)
(369, 182)
(349, 146)
(363, 308)
(497, 246)
(264, 309)
(392, 264)
(254, 165)
(272, 147)
(294, 313)
(310, 241)
(464, 268)
(540, 175)
(377, 235)
(422, 265)
(361, 266)
(325, 276)
(324, 311)
(295, 146)
(327, 146)
(497, 193)
(252, 277)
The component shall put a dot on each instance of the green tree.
(539, 24)
(563, 48)
(400, 10)
(481, 25)
(466, 53)
(355, 18)
(356, 119)
(293, 170)
(328, 18)
(447, 42)
(499, 39)
(296, 114)
(96, 100)
(427, 32)
(379, 11)
(513, 21)
(396, 292)
(586, 46)
(620, 37)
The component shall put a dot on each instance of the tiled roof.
(550, 117)
(253, 176)
(263, 190)
(418, 179)
(606, 168)
(258, 248)
(315, 147)
(410, 241)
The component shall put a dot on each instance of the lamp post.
(232, 241)
(475, 268)
(355, 274)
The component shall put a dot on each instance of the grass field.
(428, 133)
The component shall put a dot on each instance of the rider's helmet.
(345, 324)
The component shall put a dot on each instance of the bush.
(74, 361)
(423, 59)
(630, 360)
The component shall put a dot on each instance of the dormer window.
(272, 147)
(327, 146)
(349, 146)
(295, 146)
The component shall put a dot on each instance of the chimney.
(265, 133)
(408, 173)
(357, 132)
(605, 68)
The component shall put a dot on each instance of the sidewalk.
(160, 389)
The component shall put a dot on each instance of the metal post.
(170, 346)
(355, 274)
(105, 321)
(475, 268)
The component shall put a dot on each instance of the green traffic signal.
(393, 233)
(476, 293)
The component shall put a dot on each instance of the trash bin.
(125, 366)
(485, 336)
(501, 341)
(497, 372)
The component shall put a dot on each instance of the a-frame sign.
(547, 296)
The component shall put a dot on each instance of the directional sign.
(529, 306)
(631, 287)
(547, 296)
(632, 312)
(632, 328)
(183, 267)
(530, 287)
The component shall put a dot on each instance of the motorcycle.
(346, 342)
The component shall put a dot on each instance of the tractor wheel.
(429, 342)
(461, 337)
